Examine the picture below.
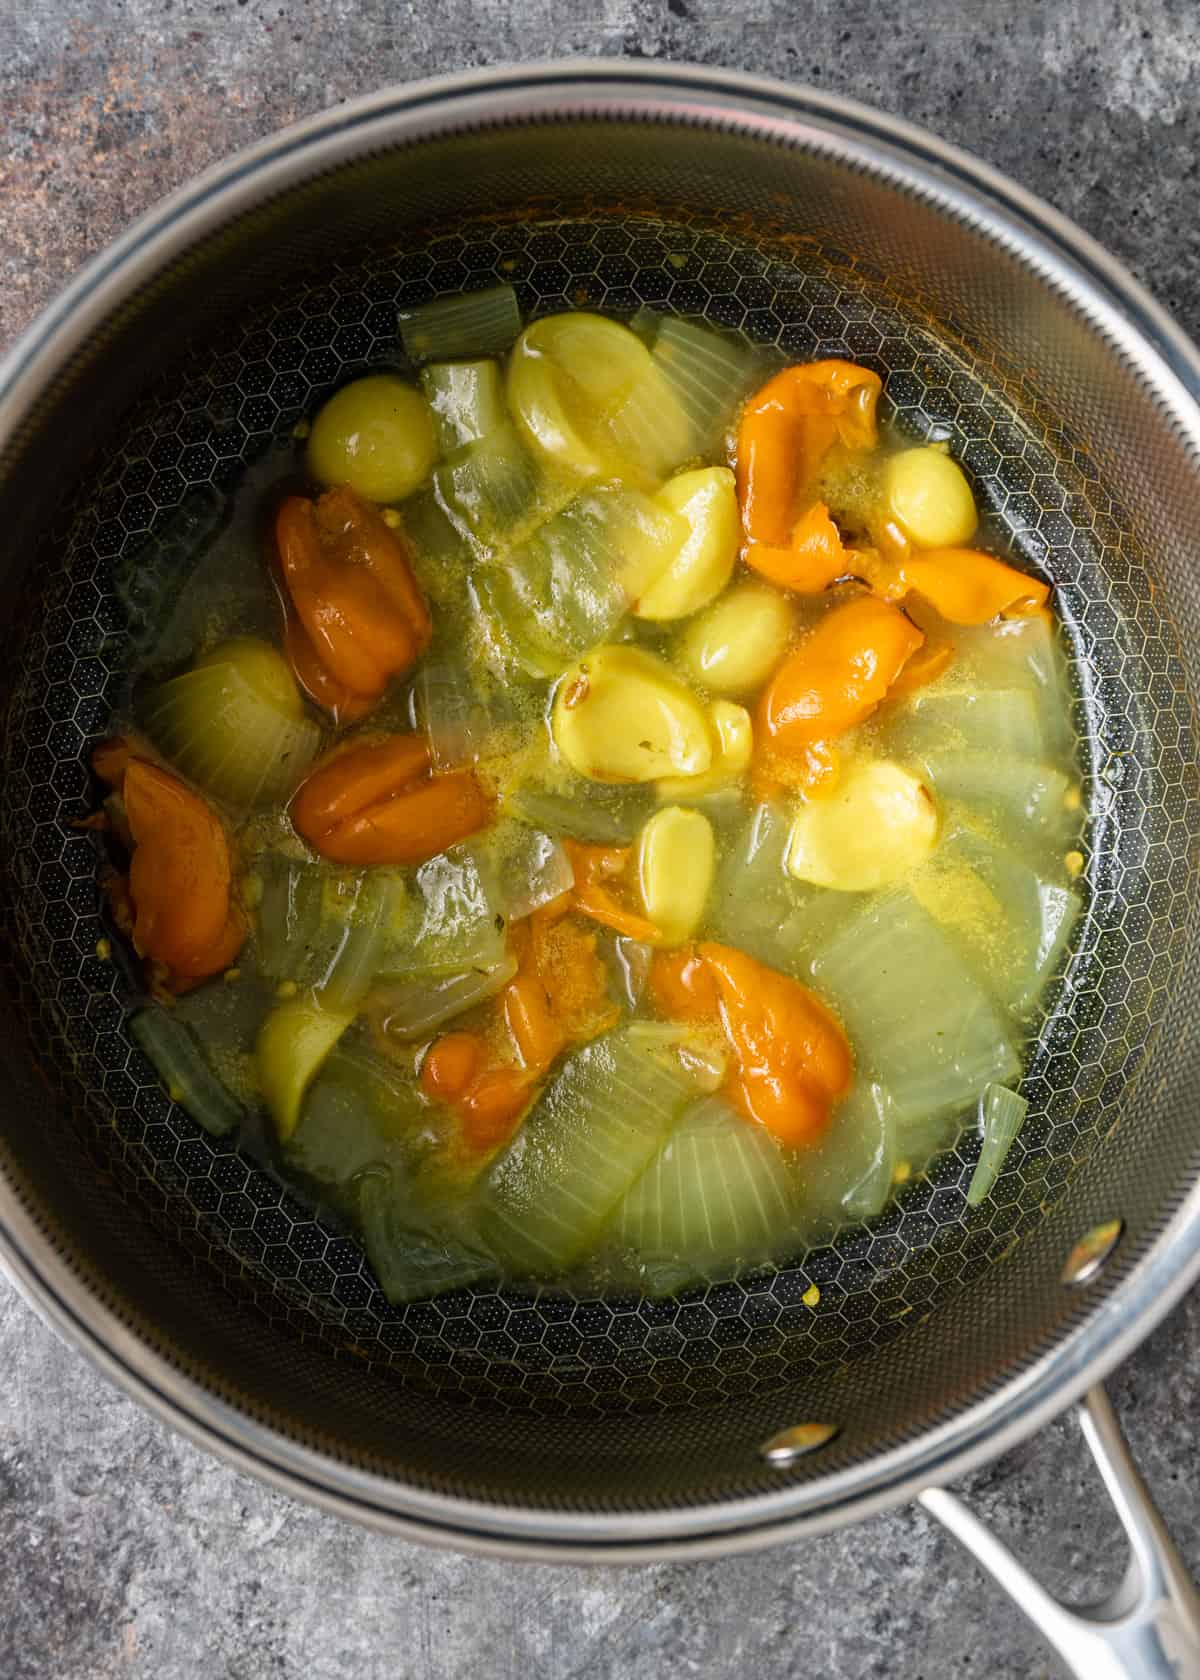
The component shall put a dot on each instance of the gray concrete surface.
(126, 1553)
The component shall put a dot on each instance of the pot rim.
(1062, 254)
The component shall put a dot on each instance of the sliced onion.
(472, 324)
(407, 1010)
(1001, 1115)
(175, 1053)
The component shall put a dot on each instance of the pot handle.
(1149, 1628)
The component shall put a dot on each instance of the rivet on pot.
(1092, 1250)
(784, 1449)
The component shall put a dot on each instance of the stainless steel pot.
(537, 1425)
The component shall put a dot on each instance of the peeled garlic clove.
(621, 715)
(706, 500)
(735, 644)
(928, 496)
(875, 828)
(293, 1042)
(676, 857)
(735, 748)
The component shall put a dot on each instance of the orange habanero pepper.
(832, 681)
(357, 615)
(180, 882)
(378, 804)
(967, 587)
(597, 870)
(816, 557)
(786, 430)
(791, 1059)
(557, 997)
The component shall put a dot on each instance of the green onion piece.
(175, 1053)
(531, 867)
(467, 399)
(463, 721)
(402, 1011)
(473, 324)
(1001, 1115)
(596, 1127)
(410, 1260)
(602, 815)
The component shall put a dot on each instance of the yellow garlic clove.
(928, 496)
(377, 436)
(735, 748)
(877, 825)
(706, 500)
(676, 857)
(735, 644)
(293, 1042)
(622, 715)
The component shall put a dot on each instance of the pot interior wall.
(538, 1399)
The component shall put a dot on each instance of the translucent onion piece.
(1020, 795)
(1012, 920)
(982, 720)
(221, 733)
(567, 586)
(455, 919)
(176, 1056)
(463, 722)
(596, 1127)
(717, 1197)
(411, 1262)
(288, 918)
(630, 960)
(1001, 1115)
(488, 489)
(467, 400)
(326, 931)
(531, 866)
(757, 906)
(605, 816)
(708, 373)
(472, 324)
(361, 1111)
(847, 1178)
(371, 923)
(919, 1019)
(1021, 653)
(403, 1011)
